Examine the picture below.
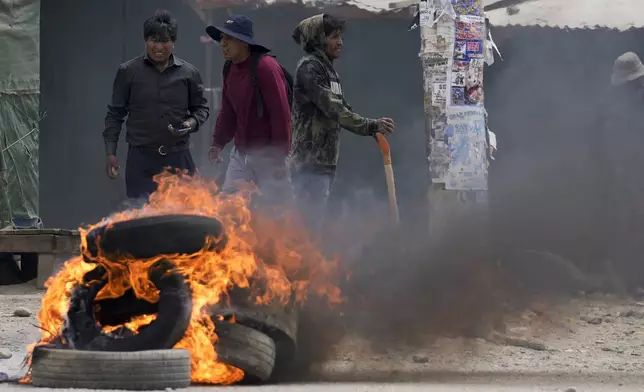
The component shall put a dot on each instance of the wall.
(542, 100)
(83, 43)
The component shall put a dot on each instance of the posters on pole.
(466, 141)
(425, 14)
(452, 52)
(435, 71)
(467, 66)
(470, 27)
(436, 76)
(438, 39)
(439, 161)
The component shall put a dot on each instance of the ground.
(591, 343)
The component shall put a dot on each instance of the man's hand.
(386, 126)
(185, 127)
(214, 155)
(112, 167)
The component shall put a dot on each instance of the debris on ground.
(21, 312)
(519, 342)
(420, 358)
(592, 320)
(573, 345)
(5, 354)
(550, 337)
(634, 314)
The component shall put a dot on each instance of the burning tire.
(152, 236)
(171, 323)
(274, 320)
(142, 370)
(277, 320)
(247, 349)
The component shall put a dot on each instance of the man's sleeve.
(312, 77)
(198, 104)
(116, 110)
(275, 99)
(226, 121)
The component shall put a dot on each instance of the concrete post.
(452, 55)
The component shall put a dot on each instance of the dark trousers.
(312, 192)
(143, 163)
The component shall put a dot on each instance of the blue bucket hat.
(239, 27)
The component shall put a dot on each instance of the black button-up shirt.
(152, 100)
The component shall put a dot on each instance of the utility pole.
(452, 54)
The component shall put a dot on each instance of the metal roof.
(613, 14)
(375, 6)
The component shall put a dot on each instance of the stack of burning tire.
(97, 349)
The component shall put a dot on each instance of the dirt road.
(591, 343)
(493, 386)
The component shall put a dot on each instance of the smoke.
(531, 241)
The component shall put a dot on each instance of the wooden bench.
(53, 247)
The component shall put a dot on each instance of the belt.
(164, 150)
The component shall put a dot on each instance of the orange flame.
(277, 251)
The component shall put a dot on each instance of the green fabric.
(19, 108)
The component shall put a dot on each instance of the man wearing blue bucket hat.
(255, 111)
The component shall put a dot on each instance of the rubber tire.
(247, 349)
(274, 319)
(118, 311)
(152, 236)
(171, 324)
(141, 370)
(278, 324)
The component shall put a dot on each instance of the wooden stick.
(389, 176)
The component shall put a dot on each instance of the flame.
(276, 250)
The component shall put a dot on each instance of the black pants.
(144, 163)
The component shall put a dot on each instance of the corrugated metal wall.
(544, 101)
(83, 43)
(541, 102)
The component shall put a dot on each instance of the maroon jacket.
(238, 117)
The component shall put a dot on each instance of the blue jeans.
(267, 172)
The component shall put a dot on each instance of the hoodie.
(319, 109)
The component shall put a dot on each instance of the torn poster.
(466, 140)
(490, 46)
(425, 14)
(438, 40)
(439, 161)
(492, 140)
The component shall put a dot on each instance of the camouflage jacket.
(319, 109)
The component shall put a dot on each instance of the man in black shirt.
(163, 99)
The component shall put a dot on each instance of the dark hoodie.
(319, 109)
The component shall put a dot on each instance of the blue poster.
(465, 134)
